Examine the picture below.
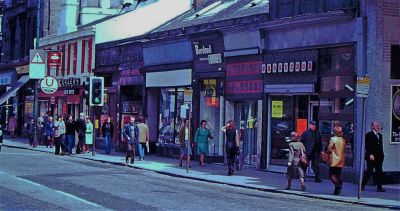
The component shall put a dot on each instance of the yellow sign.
(277, 109)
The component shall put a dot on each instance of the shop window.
(90, 3)
(172, 113)
(395, 62)
(336, 83)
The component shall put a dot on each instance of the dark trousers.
(63, 144)
(130, 152)
(371, 165)
(315, 164)
(70, 142)
(79, 147)
(230, 155)
(57, 144)
(30, 136)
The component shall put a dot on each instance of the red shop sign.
(54, 58)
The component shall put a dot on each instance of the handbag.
(325, 157)
(303, 158)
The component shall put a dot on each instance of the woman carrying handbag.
(336, 150)
(295, 167)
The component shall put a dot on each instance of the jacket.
(336, 149)
(310, 144)
(143, 132)
(295, 148)
(70, 128)
(128, 133)
(181, 137)
(81, 127)
(110, 129)
(374, 146)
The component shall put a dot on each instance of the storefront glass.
(288, 114)
(210, 111)
(170, 116)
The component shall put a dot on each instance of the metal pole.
(94, 131)
(361, 150)
(35, 94)
(189, 138)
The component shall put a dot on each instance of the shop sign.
(244, 68)
(5, 79)
(395, 123)
(71, 91)
(205, 54)
(208, 54)
(244, 87)
(290, 67)
(130, 77)
(70, 82)
(277, 109)
(49, 85)
(54, 58)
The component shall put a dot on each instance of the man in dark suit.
(374, 156)
(312, 141)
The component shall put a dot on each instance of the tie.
(377, 135)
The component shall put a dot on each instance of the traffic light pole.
(35, 81)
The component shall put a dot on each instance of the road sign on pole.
(37, 64)
(363, 86)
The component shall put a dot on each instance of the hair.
(338, 130)
(201, 123)
(232, 124)
(292, 134)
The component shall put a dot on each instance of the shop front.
(168, 74)
(292, 100)
(243, 95)
(208, 100)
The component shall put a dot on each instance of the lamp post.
(36, 81)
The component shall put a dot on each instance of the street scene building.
(269, 71)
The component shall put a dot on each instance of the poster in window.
(395, 125)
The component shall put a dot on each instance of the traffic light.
(86, 89)
(96, 91)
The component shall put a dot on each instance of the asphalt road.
(32, 180)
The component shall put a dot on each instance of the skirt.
(295, 172)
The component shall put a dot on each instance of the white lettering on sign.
(289, 67)
(215, 58)
(203, 50)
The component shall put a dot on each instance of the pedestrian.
(143, 137)
(201, 139)
(1, 136)
(50, 130)
(59, 137)
(374, 156)
(40, 128)
(131, 133)
(70, 133)
(89, 134)
(11, 125)
(29, 130)
(295, 169)
(185, 143)
(81, 130)
(108, 133)
(312, 141)
(336, 150)
(232, 144)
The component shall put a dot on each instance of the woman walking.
(70, 133)
(295, 169)
(108, 132)
(12, 123)
(232, 144)
(336, 149)
(201, 139)
(185, 144)
(89, 134)
(59, 136)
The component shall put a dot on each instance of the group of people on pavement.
(60, 132)
(136, 134)
(310, 144)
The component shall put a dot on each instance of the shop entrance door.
(245, 116)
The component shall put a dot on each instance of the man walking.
(81, 130)
(374, 156)
(312, 141)
(131, 133)
(143, 137)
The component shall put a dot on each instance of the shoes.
(303, 188)
(380, 190)
(287, 188)
(362, 188)
(337, 191)
(230, 172)
(180, 165)
(318, 180)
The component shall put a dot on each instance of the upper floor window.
(90, 3)
(395, 62)
(116, 3)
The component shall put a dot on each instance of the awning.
(289, 88)
(172, 78)
(11, 92)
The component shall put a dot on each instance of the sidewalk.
(247, 178)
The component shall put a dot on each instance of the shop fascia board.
(51, 40)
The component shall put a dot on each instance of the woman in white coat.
(89, 134)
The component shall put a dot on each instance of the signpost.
(362, 91)
(37, 64)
